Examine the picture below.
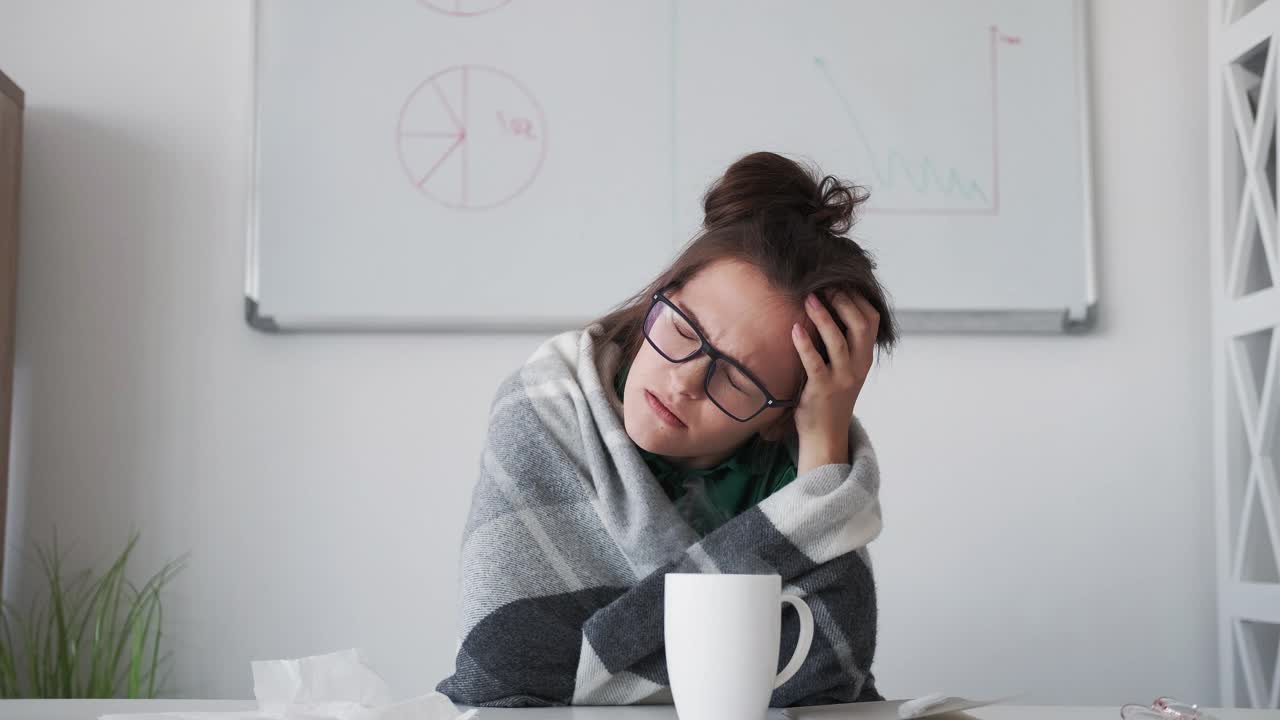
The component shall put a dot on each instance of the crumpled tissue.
(335, 686)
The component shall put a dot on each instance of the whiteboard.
(456, 165)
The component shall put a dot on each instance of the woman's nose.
(687, 377)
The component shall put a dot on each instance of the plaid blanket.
(569, 537)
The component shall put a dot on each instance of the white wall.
(1046, 499)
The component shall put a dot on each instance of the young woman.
(705, 425)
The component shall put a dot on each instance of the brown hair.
(775, 214)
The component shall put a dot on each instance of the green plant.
(86, 636)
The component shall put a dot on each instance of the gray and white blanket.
(569, 537)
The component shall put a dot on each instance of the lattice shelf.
(1245, 239)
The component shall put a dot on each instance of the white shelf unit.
(1245, 265)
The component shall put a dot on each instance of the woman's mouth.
(662, 412)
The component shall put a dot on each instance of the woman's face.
(742, 316)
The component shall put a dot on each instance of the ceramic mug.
(723, 634)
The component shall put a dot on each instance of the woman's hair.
(775, 214)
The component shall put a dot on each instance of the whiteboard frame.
(1074, 319)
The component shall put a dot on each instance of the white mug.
(723, 634)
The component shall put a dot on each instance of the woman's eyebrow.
(693, 317)
(697, 324)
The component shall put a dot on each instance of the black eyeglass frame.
(716, 356)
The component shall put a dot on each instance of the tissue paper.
(336, 686)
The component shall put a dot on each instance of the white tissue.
(336, 686)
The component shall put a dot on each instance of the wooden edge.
(10, 88)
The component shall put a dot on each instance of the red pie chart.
(471, 137)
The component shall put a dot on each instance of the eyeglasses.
(729, 385)
(1164, 708)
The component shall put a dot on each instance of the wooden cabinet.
(10, 173)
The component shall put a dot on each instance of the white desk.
(91, 709)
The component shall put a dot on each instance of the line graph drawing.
(896, 169)
(471, 137)
(464, 8)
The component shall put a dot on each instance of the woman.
(705, 425)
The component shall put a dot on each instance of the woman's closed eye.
(683, 329)
(734, 376)
(736, 380)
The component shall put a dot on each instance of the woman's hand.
(826, 403)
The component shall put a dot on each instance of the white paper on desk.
(336, 686)
(882, 710)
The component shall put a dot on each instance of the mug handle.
(802, 644)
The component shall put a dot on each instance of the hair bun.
(765, 184)
(836, 203)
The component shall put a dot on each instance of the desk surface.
(91, 709)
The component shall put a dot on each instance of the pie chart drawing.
(464, 8)
(471, 137)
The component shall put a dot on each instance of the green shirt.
(710, 497)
